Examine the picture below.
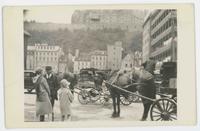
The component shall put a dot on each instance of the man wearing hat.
(149, 65)
(53, 85)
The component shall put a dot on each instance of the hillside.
(83, 39)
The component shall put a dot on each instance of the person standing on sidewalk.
(43, 94)
(53, 85)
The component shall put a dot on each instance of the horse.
(127, 79)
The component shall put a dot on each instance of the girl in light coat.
(65, 98)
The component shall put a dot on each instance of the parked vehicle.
(28, 80)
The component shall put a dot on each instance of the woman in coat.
(43, 105)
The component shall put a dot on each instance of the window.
(126, 65)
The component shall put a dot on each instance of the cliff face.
(130, 20)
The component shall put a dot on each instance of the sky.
(54, 15)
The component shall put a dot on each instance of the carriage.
(89, 92)
(163, 108)
(167, 88)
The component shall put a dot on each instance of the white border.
(70, 2)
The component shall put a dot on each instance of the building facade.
(128, 62)
(114, 55)
(42, 55)
(99, 59)
(163, 30)
(146, 39)
(81, 62)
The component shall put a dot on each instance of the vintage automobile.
(28, 80)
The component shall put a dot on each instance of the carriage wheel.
(125, 101)
(134, 98)
(163, 110)
(84, 97)
(105, 99)
(94, 95)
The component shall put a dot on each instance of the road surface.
(89, 112)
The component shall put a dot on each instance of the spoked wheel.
(84, 97)
(126, 101)
(105, 99)
(94, 95)
(134, 98)
(163, 110)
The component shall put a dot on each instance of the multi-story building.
(81, 62)
(99, 59)
(42, 55)
(163, 30)
(114, 55)
(128, 62)
(146, 39)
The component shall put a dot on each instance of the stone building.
(114, 55)
(163, 39)
(99, 59)
(146, 39)
(128, 62)
(81, 62)
(42, 55)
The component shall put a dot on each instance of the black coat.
(53, 85)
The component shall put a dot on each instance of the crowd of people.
(48, 89)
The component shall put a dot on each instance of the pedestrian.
(65, 98)
(43, 94)
(53, 85)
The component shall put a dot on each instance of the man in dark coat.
(53, 85)
(149, 65)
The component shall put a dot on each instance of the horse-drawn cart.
(162, 109)
(167, 87)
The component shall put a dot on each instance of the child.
(65, 97)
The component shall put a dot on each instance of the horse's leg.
(118, 105)
(147, 106)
